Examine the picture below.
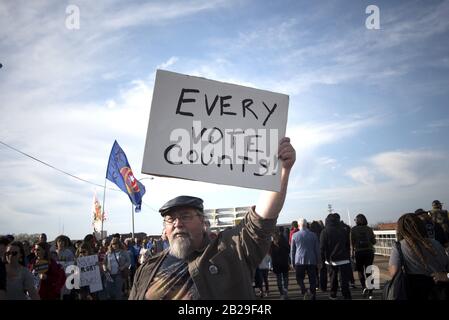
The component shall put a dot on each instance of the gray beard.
(180, 247)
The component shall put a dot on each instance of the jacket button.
(213, 269)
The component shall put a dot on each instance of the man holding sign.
(195, 267)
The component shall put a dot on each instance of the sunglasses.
(11, 253)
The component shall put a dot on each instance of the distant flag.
(119, 171)
(97, 214)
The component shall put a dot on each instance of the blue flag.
(119, 171)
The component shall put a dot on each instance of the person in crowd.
(261, 276)
(347, 228)
(423, 258)
(197, 267)
(62, 249)
(440, 216)
(433, 229)
(91, 241)
(280, 257)
(363, 241)
(2, 280)
(29, 255)
(165, 242)
(128, 275)
(19, 281)
(336, 250)
(305, 255)
(321, 275)
(144, 252)
(3, 245)
(51, 276)
(78, 243)
(84, 293)
(137, 246)
(115, 265)
(43, 239)
(294, 229)
(65, 257)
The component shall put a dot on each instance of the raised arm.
(271, 203)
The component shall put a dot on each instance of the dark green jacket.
(224, 268)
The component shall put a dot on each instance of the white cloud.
(362, 175)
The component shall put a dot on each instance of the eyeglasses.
(185, 218)
(11, 253)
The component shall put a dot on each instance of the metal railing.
(385, 240)
(223, 218)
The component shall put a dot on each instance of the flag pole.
(349, 218)
(102, 209)
(132, 210)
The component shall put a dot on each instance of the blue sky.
(368, 110)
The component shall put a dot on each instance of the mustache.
(181, 233)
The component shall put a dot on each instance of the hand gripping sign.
(212, 131)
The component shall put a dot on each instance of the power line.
(53, 167)
(65, 172)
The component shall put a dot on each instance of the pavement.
(294, 292)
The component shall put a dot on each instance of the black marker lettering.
(270, 112)
(182, 100)
(245, 105)
(209, 110)
(225, 105)
(169, 148)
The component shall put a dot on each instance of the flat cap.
(182, 201)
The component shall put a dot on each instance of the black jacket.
(280, 256)
(334, 240)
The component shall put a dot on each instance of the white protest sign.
(212, 131)
(90, 273)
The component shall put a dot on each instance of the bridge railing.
(385, 240)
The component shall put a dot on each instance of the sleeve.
(353, 237)
(323, 241)
(293, 250)
(394, 257)
(253, 236)
(317, 249)
(28, 280)
(373, 237)
(126, 259)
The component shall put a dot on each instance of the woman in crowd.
(423, 258)
(49, 274)
(280, 255)
(19, 282)
(84, 293)
(115, 264)
(363, 241)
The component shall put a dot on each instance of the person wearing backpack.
(363, 241)
(440, 217)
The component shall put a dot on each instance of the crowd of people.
(191, 262)
(330, 252)
(327, 253)
(38, 271)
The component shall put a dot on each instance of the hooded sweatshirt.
(334, 242)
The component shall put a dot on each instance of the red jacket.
(292, 231)
(50, 288)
